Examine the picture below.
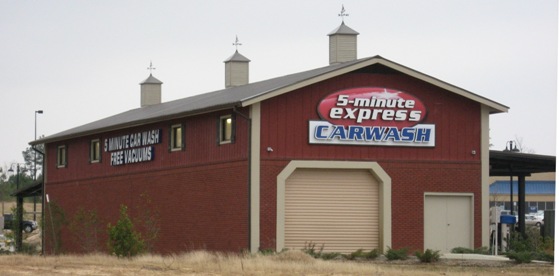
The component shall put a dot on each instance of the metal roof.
(35, 189)
(248, 94)
(151, 80)
(539, 187)
(343, 29)
(237, 57)
(505, 163)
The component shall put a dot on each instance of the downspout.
(43, 200)
(249, 172)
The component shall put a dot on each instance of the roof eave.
(132, 124)
(494, 107)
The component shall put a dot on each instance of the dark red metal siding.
(201, 192)
(285, 122)
(448, 167)
(411, 180)
(200, 207)
(201, 147)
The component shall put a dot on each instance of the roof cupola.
(343, 42)
(150, 89)
(236, 68)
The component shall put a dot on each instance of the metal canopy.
(507, 163)
(34, 190)
(503, 163)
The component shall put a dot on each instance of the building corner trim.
(255, 178)
(484, 150)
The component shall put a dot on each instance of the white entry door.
(448, 222)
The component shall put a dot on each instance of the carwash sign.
(372, 116)
(133, 147)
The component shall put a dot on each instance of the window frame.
(222, 130)
(95, 152)
(172, 137)
(61, 156)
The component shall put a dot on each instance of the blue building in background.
(540, 194)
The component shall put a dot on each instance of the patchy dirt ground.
(289, 263)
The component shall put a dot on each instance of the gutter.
(249, 171)
(43, 199)
(60, 136)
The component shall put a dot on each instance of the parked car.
(27, 225)
(534, 220)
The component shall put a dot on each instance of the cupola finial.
(237, 43)
(342, 13)
(150, 68)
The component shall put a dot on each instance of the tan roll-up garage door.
(332, 207)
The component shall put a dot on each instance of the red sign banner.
(372, 106)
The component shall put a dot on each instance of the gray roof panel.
(237, 57)
(151, 80)
(229, 98)
(343, 29)
(226, 98)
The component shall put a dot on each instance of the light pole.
(510, 149)
(34, 153)
(11, 170)
(35, 167)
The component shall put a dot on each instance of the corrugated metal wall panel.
(533, 187)
(290, 114)
(335, 208)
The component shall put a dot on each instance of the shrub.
(310, 249)
(354, 255)
(267, 251)
(330, 255)
(85, 225)
(463, 250)
(53, 228)
(530, 245)
(484, 250)
(543, 256)
(396, 254)
(29, 249)
(123, 240)
(147, 221)
(429, 256)
(373, 254)
(520, 257)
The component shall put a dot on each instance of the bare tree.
(520, 145)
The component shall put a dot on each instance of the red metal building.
(363, 153)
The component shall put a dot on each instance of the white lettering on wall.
(132, 148)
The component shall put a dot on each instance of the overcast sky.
(81, 61)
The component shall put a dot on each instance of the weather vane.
(342, 13)
(150, 68)
(237, 43)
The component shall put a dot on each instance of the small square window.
(95, 151)
(176, 142)
(225, 129)
(61, 157)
